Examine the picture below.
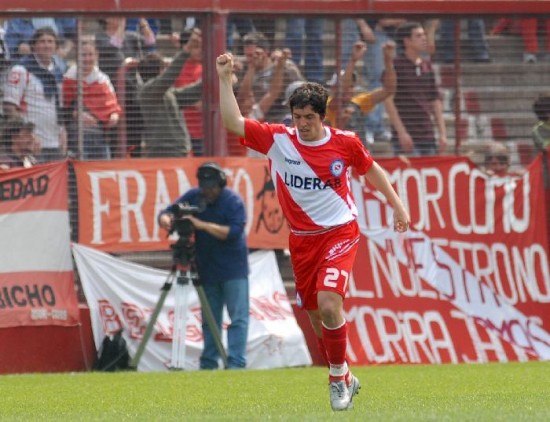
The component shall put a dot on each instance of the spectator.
(32, 90)
(101, 109)
(242, 26)
(115, 44)
(191, 73)
(257, 52)
(257, 108)
(497, 161)
(416, 99)
(310, 49)
(20, 31)
(476, 40)
(355, 105)
(374, 65)
(4, 56)
(20, 144)
(541, 131)
(221, 260)
(311, 165)
(165, 131)
(375, 33)
(267, 27)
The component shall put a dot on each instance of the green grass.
(489, 392)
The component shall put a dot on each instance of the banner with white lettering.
(122, 295)
(36, 271)
(119, 201)
(470, 282)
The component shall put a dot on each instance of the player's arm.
(232, 118)
(377, 177)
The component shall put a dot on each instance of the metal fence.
(126, 90)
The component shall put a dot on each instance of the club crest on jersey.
(337, 167)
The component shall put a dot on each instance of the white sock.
(338, 370)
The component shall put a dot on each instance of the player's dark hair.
(405, 30)
(541, 107)
(312, 94)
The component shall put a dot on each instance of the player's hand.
(401, 219)
(224, 65)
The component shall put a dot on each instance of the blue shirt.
(220, 260)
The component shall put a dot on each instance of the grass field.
(488, 392)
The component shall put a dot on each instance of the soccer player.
(309, 164)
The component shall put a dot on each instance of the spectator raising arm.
(389, 78)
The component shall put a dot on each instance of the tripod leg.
(180, 323)
(152, 321)
(211, 323)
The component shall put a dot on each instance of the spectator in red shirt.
(101, 108)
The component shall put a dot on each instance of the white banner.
(123, 295)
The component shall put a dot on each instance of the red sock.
(335, 341)
(322, 349)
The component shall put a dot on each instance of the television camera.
(183, 251)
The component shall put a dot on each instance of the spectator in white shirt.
(32, 91)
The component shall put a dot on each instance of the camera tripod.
(183, 272)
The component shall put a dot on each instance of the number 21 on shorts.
(332, 276)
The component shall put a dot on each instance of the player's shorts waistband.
(320, 231)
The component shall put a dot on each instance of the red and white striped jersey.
(312, 179)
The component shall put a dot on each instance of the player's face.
(308, 123)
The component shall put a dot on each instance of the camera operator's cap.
(210, 175)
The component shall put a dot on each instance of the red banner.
(469, 282)
(36, 272)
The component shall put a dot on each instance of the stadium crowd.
(142, 96)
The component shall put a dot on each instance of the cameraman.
(221, 259)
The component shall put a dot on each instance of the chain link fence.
(134, 87)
